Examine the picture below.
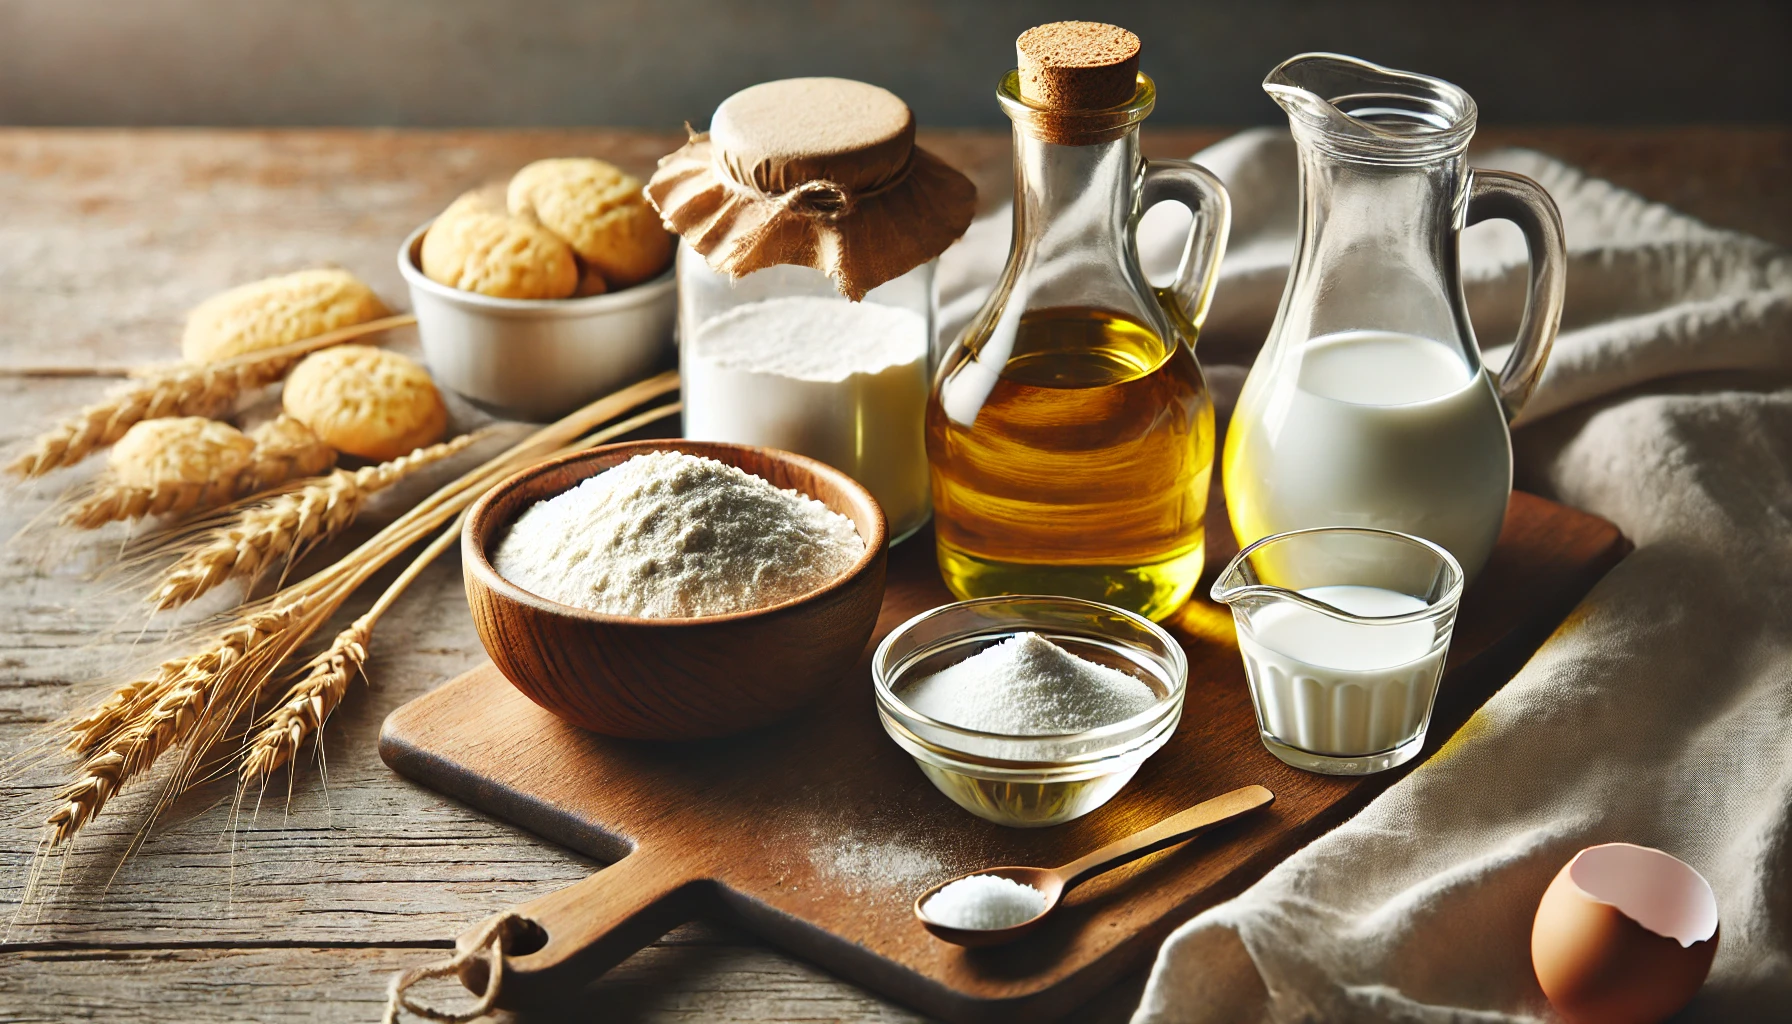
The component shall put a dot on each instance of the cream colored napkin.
(1660, 713)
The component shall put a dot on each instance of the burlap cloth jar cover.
(815, 172)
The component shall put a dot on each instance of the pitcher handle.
(1501, 195)
(1188, 297)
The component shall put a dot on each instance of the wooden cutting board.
(819, 832)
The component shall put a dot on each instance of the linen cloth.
(1660, 713)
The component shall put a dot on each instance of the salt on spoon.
(982, 902)
(989, 907)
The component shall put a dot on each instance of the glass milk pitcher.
(1368, 405)
(1070, 431)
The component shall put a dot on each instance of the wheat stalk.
(90, 370)
(208, 390)
(284, 527)
(200, 698)
(285, 450)
(189, 391)
(110, 502)
(97, 725)
(205, 695)
(124, 705)
(308, 704)
(217, 683)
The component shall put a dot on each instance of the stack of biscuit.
(563, 228)
(356, 399)
(359, 400)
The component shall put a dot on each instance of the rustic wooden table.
(106, 239)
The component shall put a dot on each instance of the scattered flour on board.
(1028, 686)
(889, 858)
(667, 535)
(859, 865)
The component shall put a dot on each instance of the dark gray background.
(655, 63)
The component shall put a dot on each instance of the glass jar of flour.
(811, 225)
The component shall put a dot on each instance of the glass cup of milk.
(1344, 631)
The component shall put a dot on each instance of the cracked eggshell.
(1624, 935)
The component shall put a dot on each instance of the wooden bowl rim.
(478, 525)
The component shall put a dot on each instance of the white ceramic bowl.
(539, 359)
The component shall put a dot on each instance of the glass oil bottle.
(1069, 431)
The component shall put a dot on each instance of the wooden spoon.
(1055, 882)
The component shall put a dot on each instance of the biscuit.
(366, 401)
(476, 246)
(277, 311)
(179, 450)
(601, 213)
(590, 282)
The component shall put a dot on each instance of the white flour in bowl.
(1028, 686)
(670, 535)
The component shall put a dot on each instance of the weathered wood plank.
(715, 980)
(698, 976)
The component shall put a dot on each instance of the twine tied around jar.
(489, 944)
(820, 199)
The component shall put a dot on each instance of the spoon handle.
(1168, 832)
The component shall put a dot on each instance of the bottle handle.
(1191, 293)
(1501, 195)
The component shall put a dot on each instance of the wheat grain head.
(285, 450)
(187, 391)
(305, 707)
(179, 470)
(97, 725)
(285, 527)
(209, 690)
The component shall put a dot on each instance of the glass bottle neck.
(1075, 211)
(1067, 196)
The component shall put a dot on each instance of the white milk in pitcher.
(1376, 429)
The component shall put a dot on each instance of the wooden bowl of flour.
(674, 678)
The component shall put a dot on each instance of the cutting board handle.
(557, 943)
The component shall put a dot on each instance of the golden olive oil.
(1084, 471)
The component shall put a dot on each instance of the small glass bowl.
(1030, 781)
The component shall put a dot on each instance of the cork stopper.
(1077, 65)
